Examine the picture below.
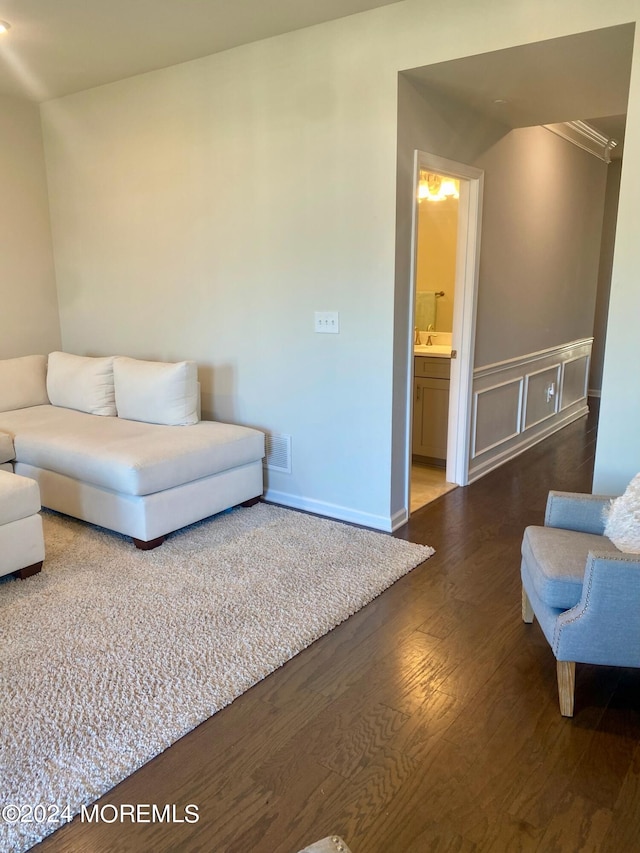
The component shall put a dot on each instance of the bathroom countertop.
(434, 351)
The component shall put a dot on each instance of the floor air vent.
(278, 448)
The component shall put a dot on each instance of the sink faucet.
(430, 334)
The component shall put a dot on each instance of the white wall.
(618, 447)
(206, 211)
(604, 275)
(29, 310)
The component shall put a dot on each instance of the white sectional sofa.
(118, 442)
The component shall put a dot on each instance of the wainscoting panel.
(542, 392)
(519, 402)
(575, 378)
(496, 415)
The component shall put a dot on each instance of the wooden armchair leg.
(527, 610)
(566, 670)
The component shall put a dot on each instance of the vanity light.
(436, 187)
(4, 26)
(449, 189)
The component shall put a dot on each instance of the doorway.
(444, 273)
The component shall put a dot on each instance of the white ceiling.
(56, 47)
(584, 76)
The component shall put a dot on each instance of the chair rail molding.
(523, 400)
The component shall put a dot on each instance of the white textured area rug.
(111, 654)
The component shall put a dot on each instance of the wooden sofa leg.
(28, 571)
(527, 610)
(148, 545)
(566, 670)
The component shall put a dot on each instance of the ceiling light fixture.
(4, 26)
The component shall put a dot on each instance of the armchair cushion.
(576, 511)
(622, 519)
(556, 560)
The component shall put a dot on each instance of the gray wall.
(439, 126)
(29, 309)
(541, 231)
(541, 228)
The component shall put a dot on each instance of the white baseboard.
(399, 518)
(386, 524)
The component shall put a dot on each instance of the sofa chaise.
(118, 442)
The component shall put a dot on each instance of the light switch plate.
(327, 322)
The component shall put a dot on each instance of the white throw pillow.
(82, 383)
(622, 519)
(23, 382)
(156, 392)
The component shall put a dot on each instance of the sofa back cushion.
(23, 382)
(7, 450)
(82, 383)
(156, 392)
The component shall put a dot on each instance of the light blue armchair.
(584, 592)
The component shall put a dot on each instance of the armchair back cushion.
(23, 382)
(81, 383)
(156, 392)
(622, 519)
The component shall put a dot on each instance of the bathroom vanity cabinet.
(430, 408)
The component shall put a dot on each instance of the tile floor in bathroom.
(427, 484)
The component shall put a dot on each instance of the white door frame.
(464, 311)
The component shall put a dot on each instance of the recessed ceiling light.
(499, 100)
(4, 26)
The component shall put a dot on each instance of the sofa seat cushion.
(556, 560)
(19, 497)
(7, 453)
(128, 456)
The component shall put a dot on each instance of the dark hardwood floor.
(428, 721)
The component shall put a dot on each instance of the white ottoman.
(21, 539)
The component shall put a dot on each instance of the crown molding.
(586, 137)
